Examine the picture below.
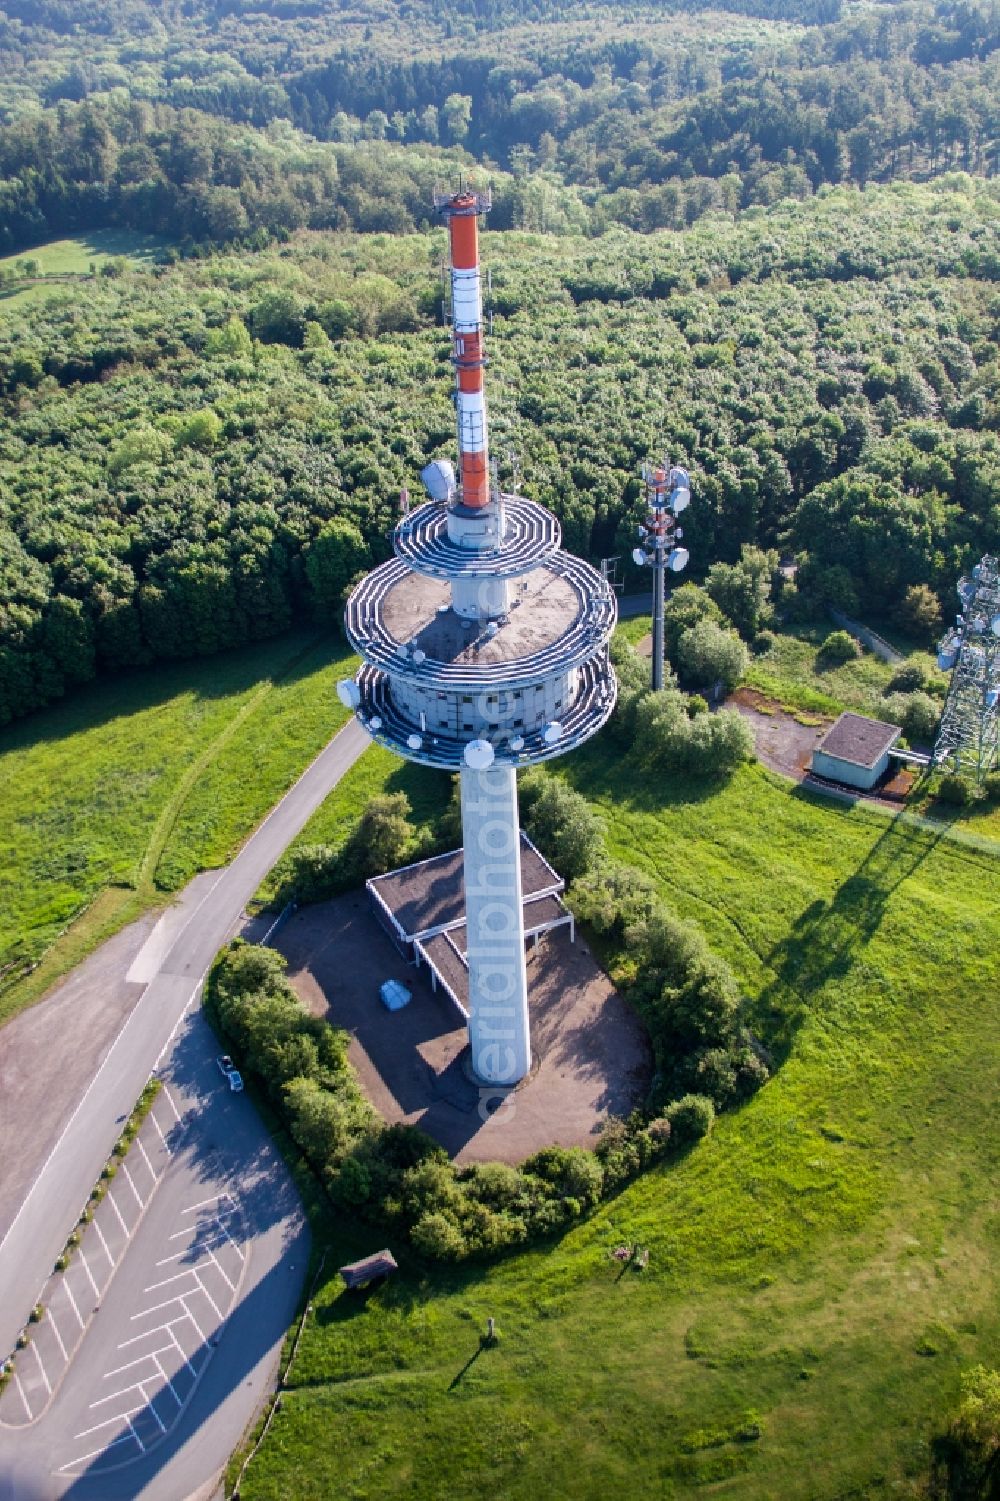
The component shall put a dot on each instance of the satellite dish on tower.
(552, 732)
(679, 501)
(349, 693)
(479, 755)
(438, 479)
(638, 556)
(678, 559)
(414, 742)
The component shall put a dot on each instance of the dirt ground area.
(782, 743)
(591, 1057)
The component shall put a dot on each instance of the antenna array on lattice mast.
(968, 740)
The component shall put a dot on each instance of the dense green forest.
(707, 245)
(151, 115)
(199, 454)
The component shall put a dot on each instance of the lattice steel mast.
(968, 740)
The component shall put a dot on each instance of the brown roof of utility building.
(430, 895)
(859, 740)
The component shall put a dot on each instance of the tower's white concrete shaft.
(485, 649)
(494, 925)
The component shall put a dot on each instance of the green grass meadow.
(74, 258)
(120, 795)
(822, 1267)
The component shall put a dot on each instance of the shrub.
(436, 1236)
(910, 678)
(706, 654)
(691, 1118)
(991, 786)
(562, 824)
(919, 610)
(612, 897)
(838, 648)
(743, 590)
(763, 642)
(687, 606)
(955, 791)
(573, 1172)
(916, 713)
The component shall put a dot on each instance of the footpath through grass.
(126, 791)
(821, 1268)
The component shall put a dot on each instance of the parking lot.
(158, 1339)
(177, 1321)
(70, 1298)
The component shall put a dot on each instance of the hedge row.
(397, 1176)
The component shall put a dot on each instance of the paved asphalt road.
(631, 605)
(63, 1180)
(179, 1352)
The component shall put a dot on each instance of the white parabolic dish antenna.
(479, 755)
(638, 556)
(552, 733)
(349, 693)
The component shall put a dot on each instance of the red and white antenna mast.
(461, 210)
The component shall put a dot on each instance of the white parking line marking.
(136, 1386)
(100, 1237)
(69, 1293)
(131, 1429)
(151, 1406)
(191, 1316)
(142, 1149)
(128, 1178)
(86, 1267)
(165, 1260)
(177, 1277)
(82, 1460)
(205, 1202)
(110, 1198)
(169, 1099)
(120, 1369)
(235, 1247)
(215, 1307)
(55, 1330)
(180, 1351)
(167, 1379)
(108, 1421)
(42, 1369)
(147, 1335)
(17, 1383)
(155, 1308)
(218, 1267)
(160, 1134)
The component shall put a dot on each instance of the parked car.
(229, 1072)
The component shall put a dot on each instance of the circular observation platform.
(559, 616)
(591, 708)
(531, 535)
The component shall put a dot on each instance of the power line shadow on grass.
(828, 937)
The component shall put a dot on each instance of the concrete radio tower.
(485, 648)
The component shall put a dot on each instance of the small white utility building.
(855, 751)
